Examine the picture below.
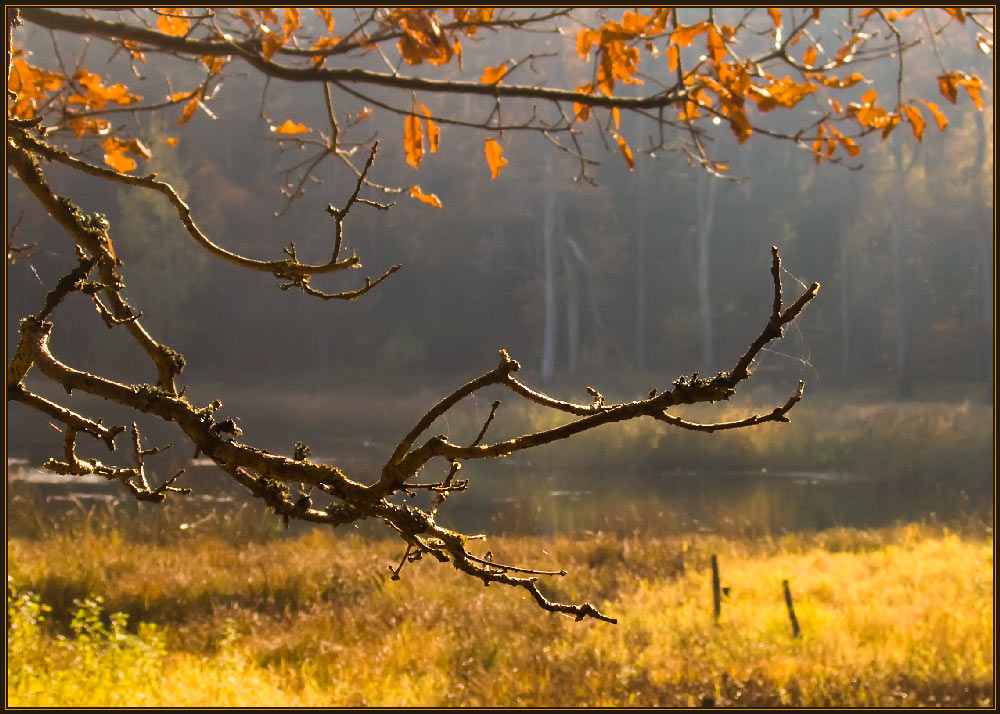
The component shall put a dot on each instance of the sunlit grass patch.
(889, 617)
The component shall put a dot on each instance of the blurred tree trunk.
(706, 186)
(900, 297)
(550, 324)
(572, 314)
(640, 274)
(984, 261)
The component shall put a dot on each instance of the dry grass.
(897, 616)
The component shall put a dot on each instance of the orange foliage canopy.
(704, 71)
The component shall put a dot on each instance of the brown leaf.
(948, 84)
(429, 198)
(494, 157)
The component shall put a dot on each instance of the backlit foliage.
(732, 67)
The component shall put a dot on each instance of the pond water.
(504, 497)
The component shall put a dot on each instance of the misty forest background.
(624, 285)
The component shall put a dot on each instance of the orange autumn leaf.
(326, 16)
(837, 82)
(115, 153)
(188, 111)
(494, 157)
(172, 21)
(716, 47)
(775, 14)
(181, 96)
(916, 119)
(293, 21)
(290, 127)
(738, 122)
(214, 64)
(684, 35)
(429, 198)
(809, 58)
(817, 145)
(31, 85)
(433, 133)
(846, 142)
(271, 44)
(891, 121)
(86, 125)
(623, 147)
(413, 140)
(98, 95)
(940, 118)
(973, 85)
(957, 13)
(493, 75)
(948, 84)
(846, 53)
(673, 57)
(171, 141)
(364, 114)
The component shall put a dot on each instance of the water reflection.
(502, 499)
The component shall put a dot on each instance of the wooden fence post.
(796, 631)
(716, 590)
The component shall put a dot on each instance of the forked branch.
(268, 476)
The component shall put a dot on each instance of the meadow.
(103, 615)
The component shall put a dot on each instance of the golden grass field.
(900, 616)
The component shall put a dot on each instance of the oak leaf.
(115, 153)
(684, 35)
(172, 21)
